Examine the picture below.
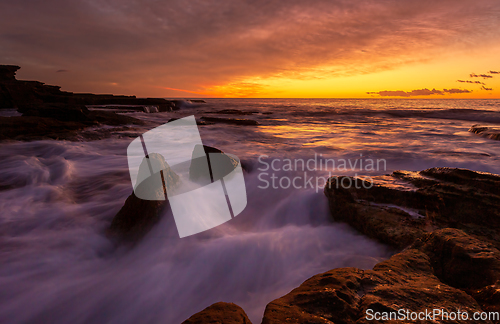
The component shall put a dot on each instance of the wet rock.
(350, 295)
(220, 313)
(35, 128)
(400, 208)
(209, 164)
(461, 260)
(382, 221)
(233, 112)
(486, 131)
(77, 113)
(144, 207)
(58, 121)
(233, 121)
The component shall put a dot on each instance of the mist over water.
(58, 197)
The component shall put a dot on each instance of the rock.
(486, 131)
(58, 121)
(144, 207)
(198, 122)
(234, 121)
(36, 128)
(400, 208)
(350, 295)
(8, 72)
(62, 112)
(461, 260)
(197, 101)
(15, 93)
(387, 224)
(220, 313)
(232, 112)
(205, 171)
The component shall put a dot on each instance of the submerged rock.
(218, 164)
(234, 121)
(58, 121)
(233, 112)
(442, 268)
(486, 131)
(17, 93)
(144, 207)
(220, 313)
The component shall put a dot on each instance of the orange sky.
(266, 49)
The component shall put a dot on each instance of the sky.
(257, 48)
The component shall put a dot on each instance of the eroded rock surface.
(448, 221)
(220, 313)
(144, 207)
(400, 208)
(348, 295)
(486, 131)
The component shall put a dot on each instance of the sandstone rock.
(399, 208)
(486, 131)
(348, 295)
(220, 313)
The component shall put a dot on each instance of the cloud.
(457, 91)
(494, 72)
(484, 76)
(419, 92)
(468, 81)
(61, 71)
(400, 93)
(195, 45)
(487, 89)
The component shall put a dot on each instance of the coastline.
(449, 254)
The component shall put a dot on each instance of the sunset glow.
(323, 49)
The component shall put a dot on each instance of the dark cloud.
(494, 72)
(468, 81)
(61, 71)
(487, 89)
(484, 76)
(147, 44)
(419, 92)
(399, 93)
(457, 91)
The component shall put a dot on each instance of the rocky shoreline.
(49, 113)
(444, 221)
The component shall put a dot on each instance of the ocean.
(58, 197)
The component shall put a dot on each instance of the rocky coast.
(446, 224)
